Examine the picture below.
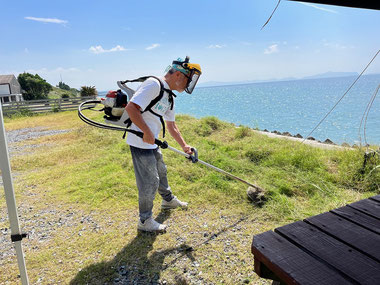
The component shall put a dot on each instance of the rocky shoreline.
(309, 140)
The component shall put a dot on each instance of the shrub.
(86, 91)
(63, 86)
(242, 132)
(366, 175)
(257, 155)
(210, 124)
(22, 112)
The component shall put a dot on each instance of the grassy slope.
(57, 93)
(89, 171)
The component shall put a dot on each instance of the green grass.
(89, 172)
(56, 93)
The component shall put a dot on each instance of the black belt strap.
(18, 237)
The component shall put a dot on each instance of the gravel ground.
(30, 133)
(41, 219)
(20, 135)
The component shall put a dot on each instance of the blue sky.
(100, 42)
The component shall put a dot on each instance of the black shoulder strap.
(158, 98)
(140, 79)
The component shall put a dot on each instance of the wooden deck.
(337, 247)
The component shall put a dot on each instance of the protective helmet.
(191, 70)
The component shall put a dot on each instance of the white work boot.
(173, 203)
(150, 225)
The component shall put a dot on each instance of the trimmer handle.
(194, 157)
(161, 144)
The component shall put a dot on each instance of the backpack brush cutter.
(115, 114)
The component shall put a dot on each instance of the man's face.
(181, 82)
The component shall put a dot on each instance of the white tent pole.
(16, 234)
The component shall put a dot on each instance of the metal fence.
(45, 105)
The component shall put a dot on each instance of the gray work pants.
(150, 172)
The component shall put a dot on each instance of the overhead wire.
(341, 98)
(365, 114)
(271, 15)
(368, 106)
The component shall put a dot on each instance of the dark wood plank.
(290, 263)
(355, 216)
(376, 198)
(343, 258)
(370, 207)
(363, 240)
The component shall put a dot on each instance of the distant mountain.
(221, 83)
(331, 74)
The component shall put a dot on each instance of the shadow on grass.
(136, 264)
(133, 264)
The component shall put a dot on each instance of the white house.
(10, 89)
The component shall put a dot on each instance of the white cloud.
(216, 46)
(334, 45)
(26, 50)
(271, 49)
(47, 20)
(99, 49)
(153, 46)
(319, 8)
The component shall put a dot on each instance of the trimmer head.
(256, 195)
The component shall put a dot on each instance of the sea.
(295, 106)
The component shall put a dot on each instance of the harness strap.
(128, 122)
(161, 120)
(140, 79)
(160, 95)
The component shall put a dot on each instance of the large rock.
(328, 141)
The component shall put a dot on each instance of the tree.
(63, 86)
(33, 86)
(88, 91)
(74, 92)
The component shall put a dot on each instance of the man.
(150, 169)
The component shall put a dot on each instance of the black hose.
(108, 127)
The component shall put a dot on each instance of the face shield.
(192, 80)
(191, 70)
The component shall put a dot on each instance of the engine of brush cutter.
(114, 105)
